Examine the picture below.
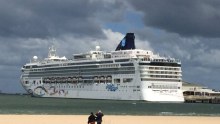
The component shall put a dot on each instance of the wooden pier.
(202, 99)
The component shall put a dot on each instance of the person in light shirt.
(99, 116)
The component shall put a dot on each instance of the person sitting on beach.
(91, 119)
(99, 116)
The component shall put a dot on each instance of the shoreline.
(107, 119)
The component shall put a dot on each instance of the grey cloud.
(28, 27)
(51, 18)
(187, 18)
(187, 30)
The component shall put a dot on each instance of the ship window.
(117, 80)
(27, 67)
(127, 64)
(26, 82)
(126, 80)
(121, 60)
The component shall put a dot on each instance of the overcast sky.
(188, 30)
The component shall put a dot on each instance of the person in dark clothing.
(99, 116)
(91, 119)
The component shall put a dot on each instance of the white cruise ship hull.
(132, 91)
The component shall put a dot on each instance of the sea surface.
(25, 104)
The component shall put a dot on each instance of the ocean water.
(25, 104)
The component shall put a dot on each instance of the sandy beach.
(107, 119)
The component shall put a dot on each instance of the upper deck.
(125, 50)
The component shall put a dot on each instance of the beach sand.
(107, 119)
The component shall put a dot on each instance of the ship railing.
(165, 60)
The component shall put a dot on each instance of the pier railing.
(202, 99)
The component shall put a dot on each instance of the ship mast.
(52, 51)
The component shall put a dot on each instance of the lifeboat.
(80, 78)
(58, 80)
(52, 79)
(109, 77)
(48, 80)
(74, 79)
(63, 79)
(96, 78)
(102, 79)
(44, 80)
(69, 79)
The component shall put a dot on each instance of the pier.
(202, 99)
(194, 93)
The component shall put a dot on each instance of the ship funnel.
(127, 42)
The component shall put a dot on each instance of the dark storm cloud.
(188, 30)
(29, 27)
(185, 17)
(45, 18)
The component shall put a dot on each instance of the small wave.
(186, 114)
(166, 113)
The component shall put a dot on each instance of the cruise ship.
(126, 73)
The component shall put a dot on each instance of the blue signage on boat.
(111, 87)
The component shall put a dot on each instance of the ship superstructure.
(124, 74)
